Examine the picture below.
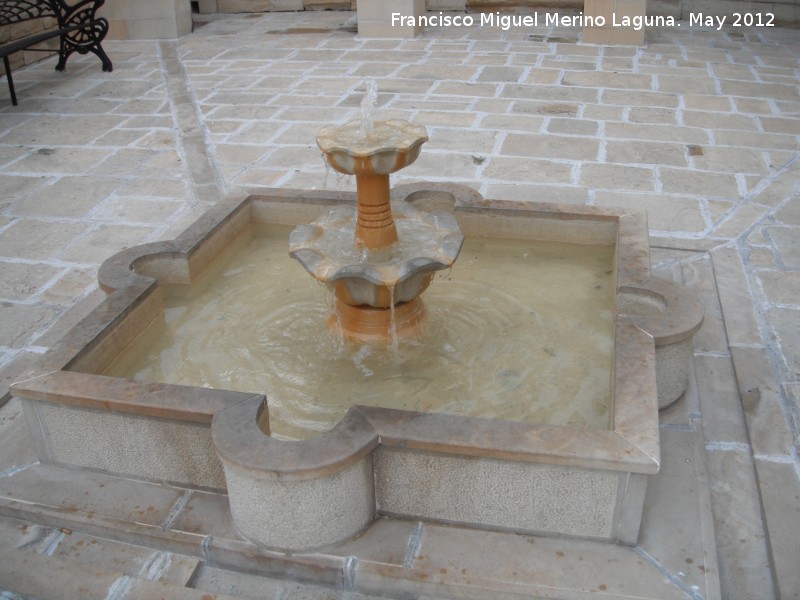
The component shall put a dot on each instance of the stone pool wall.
(543, 479)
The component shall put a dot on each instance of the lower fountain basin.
(400, 273)
(299, 495)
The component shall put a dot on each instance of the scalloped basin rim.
(326, 262)
(329, 139)
(418, 266)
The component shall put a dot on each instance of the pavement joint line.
(205, 548)
(771, 305)
(177, 509)
(722, 446)
(37, 349)
(773, 344)
(18, 469)
(690, 591)
(349, 573)
(777, 458)
(51, 542)
(120, 588)
(768, 180)
(677, 426)
(759, 347)
(156, 566)
(414, 545)
(179, 89)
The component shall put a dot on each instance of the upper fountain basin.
(390, 146)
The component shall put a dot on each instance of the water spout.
(369, 103)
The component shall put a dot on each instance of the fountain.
(375, 278)
(545, 478)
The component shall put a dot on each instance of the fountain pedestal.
(366, 323)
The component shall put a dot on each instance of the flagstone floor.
(700, 127)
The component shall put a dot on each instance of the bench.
(76, 24)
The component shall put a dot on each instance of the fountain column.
(375, 226)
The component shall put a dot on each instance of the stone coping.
(681, 318)
(162, 400)
(630, 443)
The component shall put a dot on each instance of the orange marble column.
(375, 226)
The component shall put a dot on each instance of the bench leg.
(7, 66)
(84, 37)
(98, 50)
(62, 61)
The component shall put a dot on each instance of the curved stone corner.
(177, 260)
(430, 196)
(672, 314)
(120, 270)
(296, 496)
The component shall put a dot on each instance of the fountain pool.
(535, 352)
(544, 478)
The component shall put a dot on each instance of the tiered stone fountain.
(376, 275)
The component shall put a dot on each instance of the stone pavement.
(701, 128)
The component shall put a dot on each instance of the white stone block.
(375, 18)
(151, 19)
